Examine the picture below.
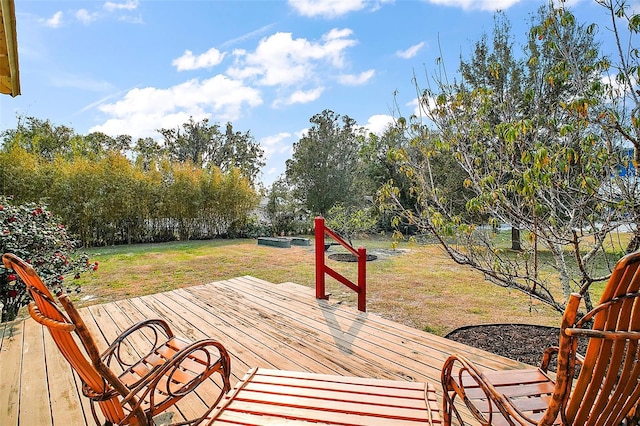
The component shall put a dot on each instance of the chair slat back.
(44, 310)
(608, 386)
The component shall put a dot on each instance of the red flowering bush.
(31, 232)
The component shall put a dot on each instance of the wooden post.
(362, 279)
(320, 282)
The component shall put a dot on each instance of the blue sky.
(131, 67)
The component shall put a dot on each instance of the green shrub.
(31, 232)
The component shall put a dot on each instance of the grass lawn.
(420, 287)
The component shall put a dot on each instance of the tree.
(183, 199)
(378, 163)
(324, 163)
(619, 117)
(194, 142)
(351, 220)
(40, 137)
(205, 145)
(495, 70)
(283, 210)
(240, 151)
(106, 198)
(21, 174)
(147, 152)
(521, 132)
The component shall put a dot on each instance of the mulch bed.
(522, 342)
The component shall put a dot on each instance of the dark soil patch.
(522, 342)
(349, 257)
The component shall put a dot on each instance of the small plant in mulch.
(33, 233)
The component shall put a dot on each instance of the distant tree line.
(198, 183)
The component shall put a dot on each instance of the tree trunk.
(634, 243)
(515, 239)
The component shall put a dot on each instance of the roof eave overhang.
(10, 74)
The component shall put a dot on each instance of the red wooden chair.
(606, 390)
(128, 392)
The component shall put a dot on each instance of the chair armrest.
(202, 355)
(156, 326)
(546, 357)
(601, 334)
(457, 366)
(551, 351)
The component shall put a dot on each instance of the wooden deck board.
(261, 325)
(384, 338)
(63, 393)
(10, 370)
(33, 383)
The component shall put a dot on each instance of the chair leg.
(446, 410)
(95, 415)
(449, 409)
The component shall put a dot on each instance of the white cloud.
(102, 100)
(55, 21)
(410, 52)
(336, 41)
(334, 8)
(378, 4)
(488, 5)
(420, 109)
(84, 16)
(619, 88)
(276, 144)
(378, 123)
(415, 107)
(356, 79)
(327, 8)
(131, 19)
(300, 97)
(277, 148)
(141, 125)
(121, 10)
(127, 5)
(141, 111)
(208, 59)
(281, 60)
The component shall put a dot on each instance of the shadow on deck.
(261, 324)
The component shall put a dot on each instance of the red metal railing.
(322, 268)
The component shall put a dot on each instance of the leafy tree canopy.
(529, 134)
(206, 145)
(324, 164)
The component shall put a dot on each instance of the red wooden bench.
(270, 397)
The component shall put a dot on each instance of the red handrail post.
(320, 282)
(362, 279)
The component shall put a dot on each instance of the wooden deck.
(261, 324)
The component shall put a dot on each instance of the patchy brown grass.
(425, 289)
(421, 287)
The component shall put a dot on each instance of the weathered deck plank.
(10, 370)
(261, 325)
(63, 391)
(33, 383)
